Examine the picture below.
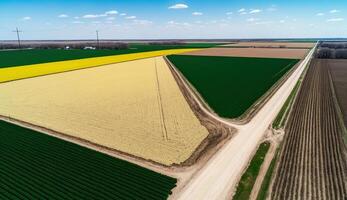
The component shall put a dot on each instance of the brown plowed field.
(272, 44)
(313, 161)
(252, 52)
(338, 69)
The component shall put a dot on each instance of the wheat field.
(135, 107)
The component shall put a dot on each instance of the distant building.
(89, 48)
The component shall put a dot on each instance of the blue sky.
(162, 19)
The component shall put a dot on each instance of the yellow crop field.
(20, 72)
(135, 107)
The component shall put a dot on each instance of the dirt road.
(218, 178)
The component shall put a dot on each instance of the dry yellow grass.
(120, 106)
(28, 71)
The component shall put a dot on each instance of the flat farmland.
(37, 56)
(338, 70)
(273, 44)
(28, 71)
(37, 166)
(134, 107)
(313, 159)
(231, 85)
(251, 52)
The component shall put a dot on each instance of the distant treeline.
(332, 50)
(81, 45)
(102, 45)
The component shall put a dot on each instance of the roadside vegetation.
(231, 85)
(265, 185)
(38, 166)
(248, 179)
(285, 110)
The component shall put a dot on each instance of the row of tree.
(332, 50)
(62, 45)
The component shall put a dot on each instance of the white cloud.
(77, 22)
(243, 13)
(173, 23)
(111, 18)
(263, 23)
(89, 16)
(96, 22)
(252, 19)
(179, 6)
(336, 20)
(241, 10)
(131, 17)
(63, 16)
(142, 22)
(122, 14)
(26, 18)
(282, 21)
(197, 13)
(111, 12)
(253, 11)
(334, 11)
(320, 14)
(76, 17)
(229, 13)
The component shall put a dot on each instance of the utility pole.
(97, 39)
(18, 38)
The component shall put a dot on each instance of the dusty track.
(219, 176)
(312, 162)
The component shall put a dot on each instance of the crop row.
(312, 162)
(37, 166)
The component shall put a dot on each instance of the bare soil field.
(338, 71)
(272, 45)
(134, 107)
(251, 52)
(312, 162)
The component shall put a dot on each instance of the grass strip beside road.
(284, 112)
(29, 71)
(267, 179)
(248, 179)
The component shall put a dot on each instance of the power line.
(18, 38)
(97, 39)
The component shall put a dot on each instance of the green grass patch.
(248, 179)
(282, 116)
(231, 85)
(27, 57)
(267, 179)
(37, 166)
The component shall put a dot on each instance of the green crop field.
(27, 57)
(231, 85)
(37, 166)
